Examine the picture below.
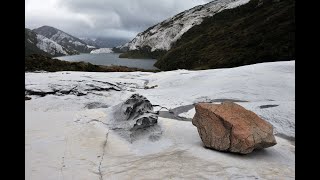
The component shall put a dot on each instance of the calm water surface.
(111, 59)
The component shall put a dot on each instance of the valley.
(160, 90)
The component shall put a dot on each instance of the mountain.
(38, 44)
(259, 31)
(30, 42)
(68, 41)
(160, 37)
(110, 42)
(103, 42)
(219, 34)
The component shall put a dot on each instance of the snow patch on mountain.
(236, 4)
(49, 46)
(102, 50)
(162, 35)
(91, 47)
(61, 36)
(77, 43)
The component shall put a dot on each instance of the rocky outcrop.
(136, 117)
(230, 127)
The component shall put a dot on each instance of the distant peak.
(45, 26)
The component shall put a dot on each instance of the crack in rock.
(96, 120)
(103, 82)
(102, 156)
(268, 106)
(64, 155)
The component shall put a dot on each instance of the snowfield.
(67, 133)
(162, 35)
(101, 50)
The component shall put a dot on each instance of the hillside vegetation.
(38, 62)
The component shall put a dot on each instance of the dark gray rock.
(268, 106)
(135, 118)
(95, 105)
(139, 109)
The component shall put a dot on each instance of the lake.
(111, 59)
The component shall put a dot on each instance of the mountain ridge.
(105, 42)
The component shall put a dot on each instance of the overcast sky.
(103, 18)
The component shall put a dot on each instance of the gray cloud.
(105, 18)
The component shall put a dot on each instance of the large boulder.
(230, 127)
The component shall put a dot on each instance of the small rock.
(151, 87)
(230, 127)
(268, 106)
(95, 105)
